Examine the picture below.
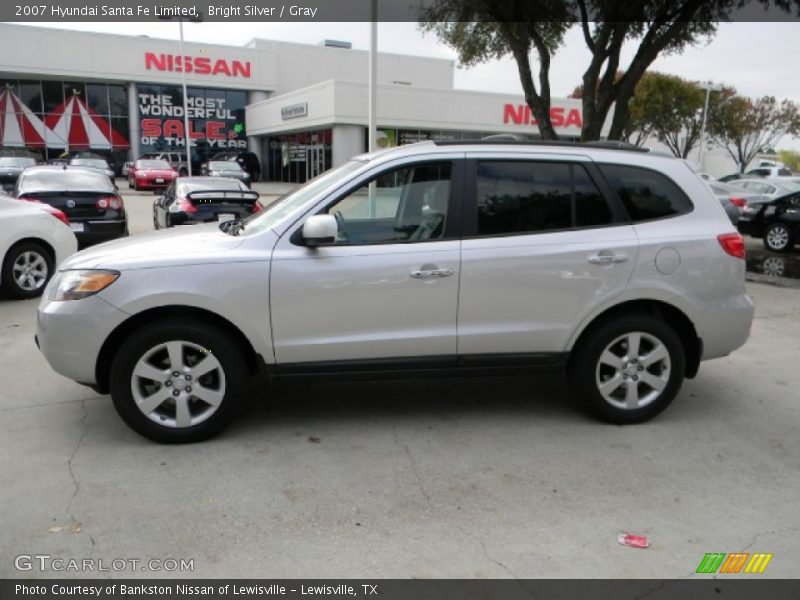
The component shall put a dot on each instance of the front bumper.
(750, 227)
(70, 334)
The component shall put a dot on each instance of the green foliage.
(790, 158)
(746, 127)
(482, 30)
(669, 108)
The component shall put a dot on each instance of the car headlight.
(78, 284)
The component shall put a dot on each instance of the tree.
(480, 30)
(790, 158)
(669, 108)
(746, 127)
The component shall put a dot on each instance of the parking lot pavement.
(489, 477)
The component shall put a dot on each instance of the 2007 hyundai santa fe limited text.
(617, 266)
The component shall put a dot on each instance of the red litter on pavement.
(634, 541)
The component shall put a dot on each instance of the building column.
(134, 131)
(254, 141)
(348, 141)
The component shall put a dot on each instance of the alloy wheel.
(30, 271)
(633, 370)
(777, 237)
(178, 384)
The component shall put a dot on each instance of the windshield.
(59, 180)
(152, 164)
(222, 165)
(97, 163)
(14, 161)
(212, 183)
(286, 205)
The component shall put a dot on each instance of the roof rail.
(512, 140)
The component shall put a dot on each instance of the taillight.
(737, 201)
(58, 214)
(257, 206)
(112, 202)
(732, 243)
(186, 205)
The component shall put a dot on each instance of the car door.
(544, 242)
(385, 293)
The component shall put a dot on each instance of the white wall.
(345, 102)
(302, 65)
(348, 141)
(55, 53)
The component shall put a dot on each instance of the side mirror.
(319, 230)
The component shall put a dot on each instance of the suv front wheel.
(628, 369)
(177, 381)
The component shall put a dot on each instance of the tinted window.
(152, 164)
(409, 204)
(785, 172)
(213, 183)
(224, 166)
(518, 197)
(646, 194)
(591, 209)
(59, 180)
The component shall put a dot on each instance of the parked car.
(776, 221)
(11, 168)
(770, 171)
(34, 239)
(733, 200)
(92, 203)
(769, 188)
(226, 168)
(152, 174)
(58, 162)
(94, 163)
(176, 159)
(616, 267)
(106, 155)
(247, 160)
(192, 200)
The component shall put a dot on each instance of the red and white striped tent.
(82, 128)
(20, 128)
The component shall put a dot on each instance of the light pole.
(708, 87)
(373, 77)
(187, 141)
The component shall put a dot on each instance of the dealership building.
(300, 108)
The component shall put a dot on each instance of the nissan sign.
(293, 111)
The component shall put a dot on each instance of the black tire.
(778, 238)
(10, 284)
(215, 342)
(586, 371)
(130, 185)
(183, 172)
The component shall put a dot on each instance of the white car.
(617, 267)
(34, 239)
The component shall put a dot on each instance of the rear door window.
(646, 194)
(518, 197)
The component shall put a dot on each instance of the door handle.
(431, 273)
(607, 259)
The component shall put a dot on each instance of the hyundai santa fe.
(617, 267)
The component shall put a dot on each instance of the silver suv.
(616, 267)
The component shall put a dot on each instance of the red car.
(149, 174)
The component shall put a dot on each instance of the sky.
(757, 59)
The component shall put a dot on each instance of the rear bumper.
(100, 231)
(726, 326)
(751, 228)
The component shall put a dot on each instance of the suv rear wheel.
(178, 381)
(629, 369)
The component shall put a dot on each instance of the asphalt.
(480, 477)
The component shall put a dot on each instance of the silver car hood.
(188, 245)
